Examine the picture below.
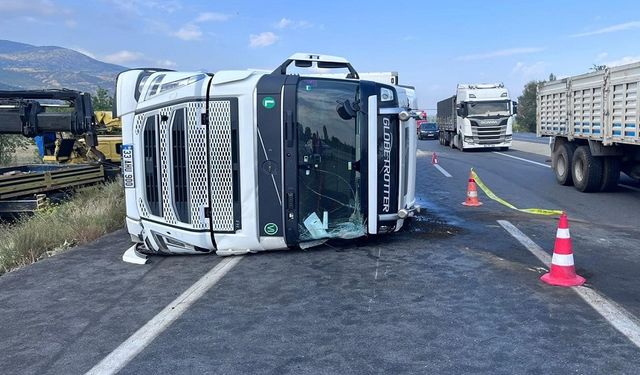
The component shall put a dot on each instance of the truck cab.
(246, 161)
(484, 116)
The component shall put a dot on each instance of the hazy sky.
(433, 45)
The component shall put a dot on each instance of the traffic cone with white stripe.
(472, 193)
(434, 158)
(563, 271)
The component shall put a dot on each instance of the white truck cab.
(478, 116)
(245, 161)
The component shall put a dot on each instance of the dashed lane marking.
(129, 349)
(420, 153)
(522, 159)
(616, 315)
(442, 170)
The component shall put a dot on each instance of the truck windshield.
(328, 161)
(489, 108)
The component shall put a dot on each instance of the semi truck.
(593, 123)
(478, 116)
(245, 161)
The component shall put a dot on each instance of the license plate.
(127, 166)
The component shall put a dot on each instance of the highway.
(453, 292)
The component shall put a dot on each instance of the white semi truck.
(478, 116)
(594, 123)
(245, 161)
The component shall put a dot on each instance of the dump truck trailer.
(594, 125)
(246, 161)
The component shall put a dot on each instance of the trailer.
(245, 161)
(593, 121)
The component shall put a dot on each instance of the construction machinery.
(70, 114)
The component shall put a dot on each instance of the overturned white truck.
(245, 161)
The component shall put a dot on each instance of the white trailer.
(594, 124)
(245, 161)
(478, 116)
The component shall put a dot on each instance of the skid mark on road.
(129, 349)
(522, 159)
(616, 315)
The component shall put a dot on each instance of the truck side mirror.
(515, 107)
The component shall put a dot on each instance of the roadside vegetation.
(91, 212)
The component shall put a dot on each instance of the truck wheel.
(610, 173)
(562, 163)
(452, 142)
(586, 170)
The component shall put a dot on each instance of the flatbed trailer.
(23, 188)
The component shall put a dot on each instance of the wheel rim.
(561, 166)
(579, 170)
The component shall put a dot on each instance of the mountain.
(24, 66)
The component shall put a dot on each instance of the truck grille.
(221, 167)
(489, 134)
(180, 181)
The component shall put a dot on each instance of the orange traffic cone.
(563, 271)
(472, 193)
(434, 158)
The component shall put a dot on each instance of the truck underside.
(589, 166)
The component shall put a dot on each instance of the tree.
(552, 77)
(597, 67)
(527, 106)
(9, 143)
(102, 101)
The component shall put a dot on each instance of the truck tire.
(586, 170)
(610, 173)
(452, 142)
(562, 163)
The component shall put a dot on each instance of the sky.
(433, 45)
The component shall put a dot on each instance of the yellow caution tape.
(492, 195)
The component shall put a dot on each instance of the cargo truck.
(478, 116)
(246, 161)
(594, 127)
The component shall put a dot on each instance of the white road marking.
(616, 315)
(131, 347)
(442, 170)
(629, 187)
(522, 159)
(420, 153)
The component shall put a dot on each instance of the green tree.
(552, 77)
(102, 101)
(9, 144)
(597, 67)
(527, 107)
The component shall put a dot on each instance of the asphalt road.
(453, 293)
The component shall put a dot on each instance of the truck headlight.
(468, 139)
(508, 138)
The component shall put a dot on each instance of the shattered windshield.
(489, 108)
(328, 160)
